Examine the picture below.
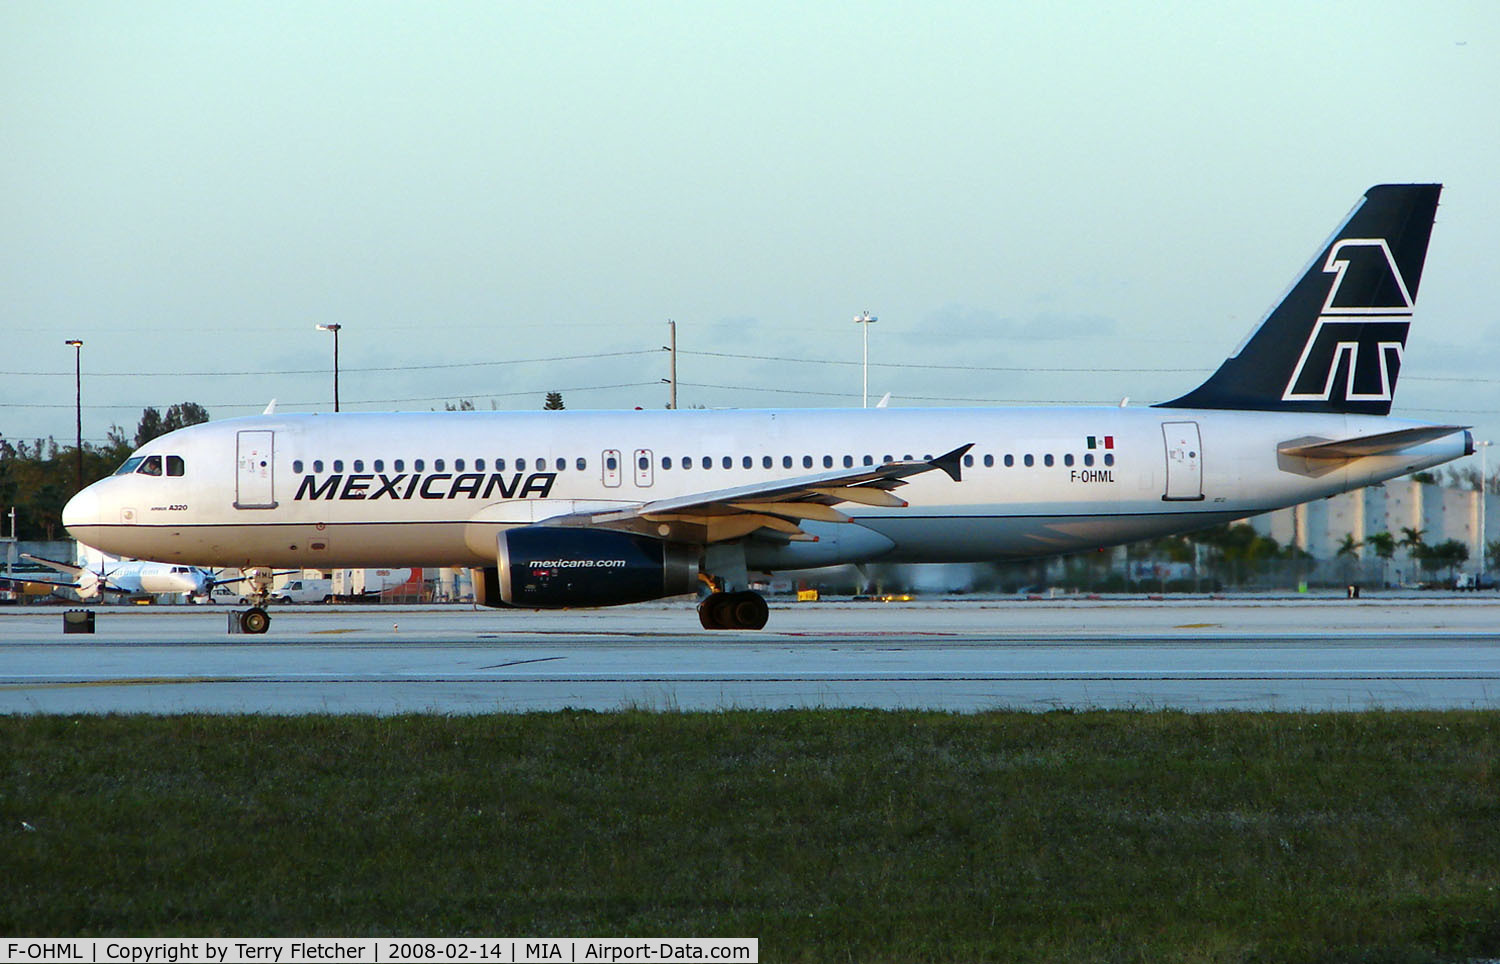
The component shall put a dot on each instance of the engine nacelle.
(546, 567)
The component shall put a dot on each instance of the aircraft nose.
(82, 509)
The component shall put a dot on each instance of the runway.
(960, 655)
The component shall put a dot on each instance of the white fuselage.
(434, 489)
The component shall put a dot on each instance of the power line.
(346, 369)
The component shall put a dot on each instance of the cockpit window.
(130, 465)
(151, 466)
(174, 465)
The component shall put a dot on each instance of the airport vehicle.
(563, 509)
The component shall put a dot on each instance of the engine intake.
(547, 567)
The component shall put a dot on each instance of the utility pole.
(335, 329)
(672, 361)
(77, 344)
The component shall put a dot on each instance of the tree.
(153, 424)
(554, 402)
(1348, 551)
(1384, 545)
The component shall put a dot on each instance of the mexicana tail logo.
(1361, 330)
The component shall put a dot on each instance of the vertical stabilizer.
(1335, 342)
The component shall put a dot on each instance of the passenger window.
(687, 461)
(1068, 459)
(479, 465)
(642, 463)
(458, 465)
(969, 461)
(562, 464)
(499, 465)
(1088, 458)
(1047, 460)
(807, 461)
(869, 460)
(989, 461)
(1109, 458)
(886, 458)
(708, 463)
(848, 461)
(666, 461)
(418, 465)
(296, 465)
(728, 462)
(827, 461)
(748, 462)
(1029, 461)
(359, 465)
(317, 465)
(786, 461)
(380, 465)
(582, 464)
(338, 465)
(437, 465)
(174, 465)
(400, 465)
(765, 462)
(1010, 461)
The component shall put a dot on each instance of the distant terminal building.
(1438, 512)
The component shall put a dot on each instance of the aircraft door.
(254, 475)
(611, 462)
(643, 467)
(1184, 462)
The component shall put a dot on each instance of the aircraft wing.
(777, 506)
(63, 567)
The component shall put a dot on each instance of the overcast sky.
(1059, 202)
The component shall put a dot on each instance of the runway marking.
(518, 662)
(1198, 626)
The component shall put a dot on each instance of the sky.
(1063, 203)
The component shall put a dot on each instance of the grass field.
(831, 836)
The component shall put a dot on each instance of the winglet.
(952, 462)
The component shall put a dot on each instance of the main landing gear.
(733, 610)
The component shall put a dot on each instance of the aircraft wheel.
(733, 610)
(255, 621)
(713, 611)
(748, 610)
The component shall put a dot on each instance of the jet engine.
(549, 567)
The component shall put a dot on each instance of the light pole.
(77, 344)
(866, 319)
(335, 330)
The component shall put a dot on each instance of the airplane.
(579, 509)
(128, 577)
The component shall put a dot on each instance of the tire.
(255, 621)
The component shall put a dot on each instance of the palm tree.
(1384, 545)
(1349, 551)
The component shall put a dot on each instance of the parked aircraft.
(555, 509)
(129, 577)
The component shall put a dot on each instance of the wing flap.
(732, 513)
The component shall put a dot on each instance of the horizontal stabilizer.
(1384, 443)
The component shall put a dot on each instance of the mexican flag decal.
(1104, 442)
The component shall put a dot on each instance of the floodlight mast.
(866, 319)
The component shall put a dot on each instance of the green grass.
(842, 836)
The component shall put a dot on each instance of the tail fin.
(1334, 343)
